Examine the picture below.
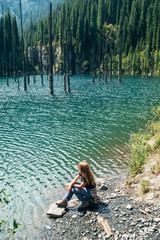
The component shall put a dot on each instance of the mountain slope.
(34, 8)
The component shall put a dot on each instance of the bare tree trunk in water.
(14, 64)
(120, 61)
(157, 61)
(64, 66)
(5, 50)
(23, 58)
(27, 66)
(50, 51)
(18, 80)
(134, 61)
(111, 61)
(68, 76)
(106, 61)
(103, 65)
(41, 63)
(93, 63)
(152, 69)
(99, 71)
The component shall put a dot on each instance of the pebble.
(129, 207)
(47, 227)
(103, 187)
(157, 220)
(74, 216)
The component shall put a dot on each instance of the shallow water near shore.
(44, 137)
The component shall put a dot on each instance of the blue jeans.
(81, 194)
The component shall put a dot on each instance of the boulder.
(100, 181)
(103, 187)
(55, 211)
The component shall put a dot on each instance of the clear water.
(44, 137)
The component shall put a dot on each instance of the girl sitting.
(85, 191)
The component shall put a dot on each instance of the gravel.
(123, 214)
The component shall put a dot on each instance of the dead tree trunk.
(99, 71)
(14, 61)
(134, 63)
(110, 61)
(152, 68)
(93, 64)
(50, 51)
(5, 50)
(157, 61)
(22, 42)
(69, 67)
(106, 61)
(18, 80)
(120, 61)
(41, 54)
(27, 66)
(64, 66)
(41, 63)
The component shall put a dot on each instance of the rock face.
(55, 211)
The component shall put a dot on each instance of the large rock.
(55, 211)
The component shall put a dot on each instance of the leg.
(69, 195)
(81, 193)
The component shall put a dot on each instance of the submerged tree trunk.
(99, 71)
(23, 58)
(134, 62)
(120, 61)
(18, 80)
(93, 64)
(50, 51)
(41, 44)
(157, 61)
(106, 61)
(111, 61)
(64, 66)
(41, 63)
(152, 68)
(5, 50)
(14, 62)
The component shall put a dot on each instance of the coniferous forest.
(108, 37)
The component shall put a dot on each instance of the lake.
(44, 137)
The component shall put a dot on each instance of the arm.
(83, 184)
(73, 182)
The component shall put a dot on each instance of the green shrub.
(145, 186)
(155, 169)
(140, 150)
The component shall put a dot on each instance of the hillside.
(34, 8)
(144, 165)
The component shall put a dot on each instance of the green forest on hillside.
(93, 36)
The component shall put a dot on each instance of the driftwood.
(145, 212)
(104, 223)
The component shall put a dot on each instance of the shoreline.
(127, 218)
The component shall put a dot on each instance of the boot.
(62, 203)
(83, 205)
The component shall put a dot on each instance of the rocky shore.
(127, 218)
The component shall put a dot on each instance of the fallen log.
(104, 223)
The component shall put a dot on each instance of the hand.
(69, 187)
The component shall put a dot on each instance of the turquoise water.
(44, 137)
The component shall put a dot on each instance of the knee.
(75, 190)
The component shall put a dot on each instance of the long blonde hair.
(86, 172)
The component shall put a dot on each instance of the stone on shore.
(55, 211)
(103, 187)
